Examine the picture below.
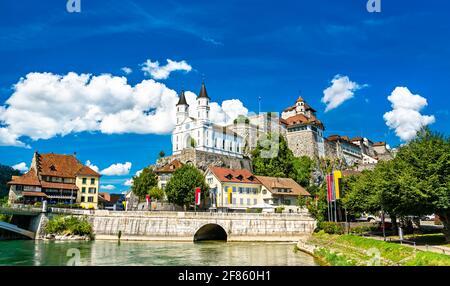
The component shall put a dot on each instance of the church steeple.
(182, 108)
(203, 93)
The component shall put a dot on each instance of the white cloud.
(405, 117)
(128, 182)
(21, 167)
(156, 71)
(92, 166)
(73, 103)
(341, 90)
(118, 169)
(126, 70)
(107, 187)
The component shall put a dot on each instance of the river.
(60, 253)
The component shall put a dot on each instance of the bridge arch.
(210, 231)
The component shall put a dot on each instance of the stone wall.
(302, 143)
(183, 226)
(203, 159)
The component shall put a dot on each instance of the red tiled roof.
(28, 179)
(171, 167)
(273, 183)
(302, 119)
(234, 175)
(379, 144)
(33, 194)
(57, 165)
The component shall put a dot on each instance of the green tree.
(143, 183)
(156, 193)
(6, 172)
(162, 154)
(279, 163)
(303, 168)
(181, 187)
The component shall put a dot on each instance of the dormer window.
(240, 177)
(251, 178)
(229, 176)
(52, 168)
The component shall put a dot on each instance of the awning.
(262, 206)
(33, 194)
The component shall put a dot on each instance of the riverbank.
(350, 250)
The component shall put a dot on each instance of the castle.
(198, 141)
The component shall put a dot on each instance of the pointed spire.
(203, 92)
(182, 100)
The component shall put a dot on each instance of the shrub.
(69, 225)
(258, 210)
(5, 218)
(279, 210)
(330, 227)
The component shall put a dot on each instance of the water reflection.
(151, 253)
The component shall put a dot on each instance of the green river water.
(61, 253)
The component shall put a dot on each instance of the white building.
(200, 133)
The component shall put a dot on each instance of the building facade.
(304, 132)
(57, 179)
(165, 172)
(200, 133)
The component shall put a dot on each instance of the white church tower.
(182, 108)
(203, 105)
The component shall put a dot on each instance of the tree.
(143, 183)
(156, 193)
(162, 154)
(6, 172)
(280, 163)
(181, 187)
(303, 168)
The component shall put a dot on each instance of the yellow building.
(232, 189)
(88, 184)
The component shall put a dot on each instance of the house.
(281, 192)
(58, 179)
(343, 148)
(195, 130)
(165, 172)
(111, 201)
(232, 189)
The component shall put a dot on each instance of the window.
(92, 190)
(19, 188)
(210, 181)
(248, 201)
(234, 201)
(92, 181)
(241, 190)
(255, 201)
(82, 199)
(241, 201)
(90, 199)
(83, 189)
(84, 181)
(234, 189)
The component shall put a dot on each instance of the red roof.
(57, 165)
(234, 175)
(171, 167)
(379, 144)
(274, 184)
(302, 119)
(28, 179)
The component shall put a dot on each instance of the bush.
(5, 218)
(258, 210)
(279, 210)
(330, 227)
(69, 225)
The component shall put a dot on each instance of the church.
(199, 133)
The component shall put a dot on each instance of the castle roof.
(302, 119)
(203, 93)
(170, 168)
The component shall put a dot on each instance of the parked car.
(428, 217)
(367, 217)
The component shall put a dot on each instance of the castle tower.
(182, 108)
(203, 105)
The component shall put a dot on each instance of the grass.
(355, 250)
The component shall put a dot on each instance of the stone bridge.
(190, 226)
(181, 226)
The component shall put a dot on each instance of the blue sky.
(244, 50)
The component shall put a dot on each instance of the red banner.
(330, 188)
(198, 192)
